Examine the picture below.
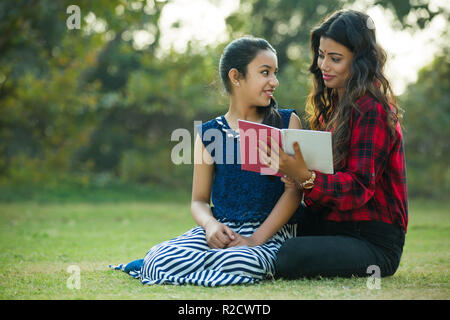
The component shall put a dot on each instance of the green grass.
(39, 241)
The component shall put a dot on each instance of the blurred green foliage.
(90, 108)
(427, 120)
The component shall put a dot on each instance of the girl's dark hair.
(356, 31)
(238, 54)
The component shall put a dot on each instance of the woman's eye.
(335, 60)
(321, 56)
(265, 72)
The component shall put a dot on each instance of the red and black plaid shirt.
(373, 184)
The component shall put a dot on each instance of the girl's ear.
(234, 75)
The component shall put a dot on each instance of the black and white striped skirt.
(188, 259)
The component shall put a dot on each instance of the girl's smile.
(269, 93)
(258, 86)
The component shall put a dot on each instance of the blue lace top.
(238, 195)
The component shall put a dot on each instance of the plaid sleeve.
(369, 147)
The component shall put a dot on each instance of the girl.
(237, 239)
(354, 221)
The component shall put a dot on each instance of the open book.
(315, 146)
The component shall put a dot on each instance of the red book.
(316, 146)
(250, 133)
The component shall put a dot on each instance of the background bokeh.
(94, 108)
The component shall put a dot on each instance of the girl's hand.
(218, 235)
(242, 241)
(275, 158)
(289, 182)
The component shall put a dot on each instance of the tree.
(419, 12)
(55, 82)
(427, 122)
(287, 24)
(94, 102)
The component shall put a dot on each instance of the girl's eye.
(265, 72)
(335, 60)
(321, 56)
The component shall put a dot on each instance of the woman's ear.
(234, 75)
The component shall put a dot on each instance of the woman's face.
(259, 84)
(334, 61)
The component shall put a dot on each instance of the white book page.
(315, 147)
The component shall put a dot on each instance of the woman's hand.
(218, 235)
(275, 158)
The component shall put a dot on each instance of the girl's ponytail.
(271, 115)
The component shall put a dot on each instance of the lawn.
(39, 241)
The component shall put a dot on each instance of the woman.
(354, 221)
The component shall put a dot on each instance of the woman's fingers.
(275, 149)
(269, 156)
(298, 152)
(264, 158)
(262, 146)
(271, 151)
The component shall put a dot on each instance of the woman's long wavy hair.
(238, 54)
(356, 31)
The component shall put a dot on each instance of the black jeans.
(340, 249)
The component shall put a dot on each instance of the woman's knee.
(326, 256)
(283, 263)
(294, 258)
(391, 265)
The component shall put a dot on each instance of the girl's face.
(334, 60)
(259, 84)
